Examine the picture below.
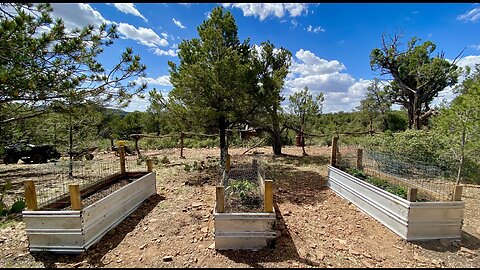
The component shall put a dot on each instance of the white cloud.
(178, 23)
(294, 24)
(169, 52)
(137, 104)
(78, 15)
(476, 47)
(264, 10)
(342, 92)
(145, 36)
(317, 29)
(472, 15)
(470, 61)
(313, 65)
(161, 80)
(129, 8)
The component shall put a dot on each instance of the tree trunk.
(223, 145)
(276, 135)
(302, 141)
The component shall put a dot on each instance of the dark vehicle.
(29, 153)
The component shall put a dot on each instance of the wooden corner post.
(333, 159)
(149, 165)
(412, 194)
(220, 199)
(268, 199)
(227, 163)
(30, 195)
(359, 159)
(457, 193)
(75, 198)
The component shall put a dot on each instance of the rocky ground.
(317, 228)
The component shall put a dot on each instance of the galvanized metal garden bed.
(252, 231)
(410, 220)
(73, 232)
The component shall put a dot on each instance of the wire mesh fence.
(434, 182)
(52, 180)
(244, 184)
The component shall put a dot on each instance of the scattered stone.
(467, 250)
(354, 252)
(143, 246)
(112, 232)
(398, 247)
(196, 204)
(457, 243)
(367, 264)
(205, 229)
(288, 213)
(77, 264)
(167, 258)
(339, 246)
(212, 246)
(119, 260)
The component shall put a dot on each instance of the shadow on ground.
(469, 241)
(300, 187)
(283, 250)
(93, 256)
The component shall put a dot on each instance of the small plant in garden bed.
(381, 183)
(16, 207)
(243, 196)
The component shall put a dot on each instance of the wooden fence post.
(30, 195)
(333, 159)
(227, 163)
(220, 199)
(359, 159)
(181, 144)
(268, 196)
(457, 193)
(121, 153)
(149, 165)
(412, 194)
(75, 198)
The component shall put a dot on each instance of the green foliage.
(381, 183)
(43, 64)
(272, 65)
(214, 85)
(458, 127)
(16, 207)
(417, 76)
(241, 187)
(375, 106)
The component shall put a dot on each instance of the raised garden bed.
(410, 220)
(246, 219)
(74, 231)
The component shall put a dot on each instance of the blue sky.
(330, 43)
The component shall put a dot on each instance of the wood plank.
(30, 195)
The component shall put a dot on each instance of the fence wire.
(52, 180)
(432, 181)
(243, 185)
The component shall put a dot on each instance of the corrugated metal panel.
(434, 220)
(410, 220)
(107, 213)
(391, 212)
(72, 232)
(244, 230)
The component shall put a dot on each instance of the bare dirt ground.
(318, 228)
